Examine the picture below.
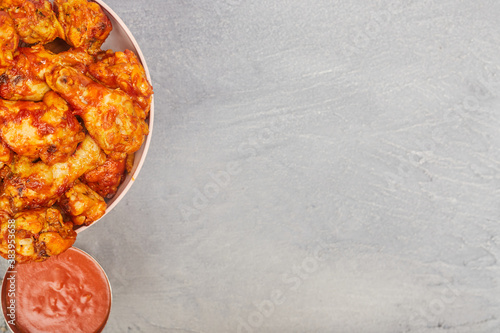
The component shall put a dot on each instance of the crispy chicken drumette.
(110, 116)
(35, 185)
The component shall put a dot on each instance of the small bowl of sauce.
(66, 293)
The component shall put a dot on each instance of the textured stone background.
(316, 166)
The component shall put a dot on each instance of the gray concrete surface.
(316, 166)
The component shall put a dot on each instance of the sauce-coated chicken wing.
(85, 23)
(46, 130)
(39, 233)
(106, 178)
(17, 84)
(35, 21)
(110, 116)
(83, 204)
(123, 70)
(35, 185)
(25, 79)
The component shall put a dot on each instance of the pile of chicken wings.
(70, 122)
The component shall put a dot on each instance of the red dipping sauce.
(66, 293)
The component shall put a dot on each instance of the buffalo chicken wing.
(46, 130)
(85, 24)
(36, 185)
(39, 233)
(25, 78)
(110, 116)
(34, 20)
(106, 178)
(83, 204)
(123, 70)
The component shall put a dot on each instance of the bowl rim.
(132, 176)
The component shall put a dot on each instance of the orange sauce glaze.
(66, 293)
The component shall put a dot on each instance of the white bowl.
(121, 39)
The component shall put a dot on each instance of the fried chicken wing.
(9, 41)
(39, 234)
(106, 178)
(83, 204)
(109, 115)
(46, 130)
(34, 20)
(124, 70)
(35, 185)
(85, 24)
(25, 79)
